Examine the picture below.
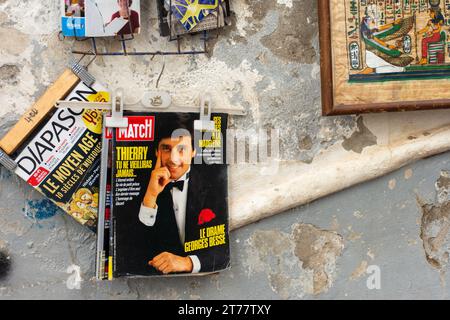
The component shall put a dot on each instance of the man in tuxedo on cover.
(177, 193)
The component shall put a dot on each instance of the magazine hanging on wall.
(168, 202)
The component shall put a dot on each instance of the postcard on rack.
(180, 17)
(169, 196)
(190, 14)
(100, 18)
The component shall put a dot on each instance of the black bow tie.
(177, 184)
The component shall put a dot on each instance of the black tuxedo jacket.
(207, 190)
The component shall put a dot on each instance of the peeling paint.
(360, 139)
(442, 186)
(305, 143)
(318, 251)
(370, 254)
(3, 17)
(360, 270)
(287, 3)
(9, 226)
(14, 42)
(41, 209)
(334, 224)
(303, 262)
(352, 235)
(434, 233)
(8, 74)
(392, 184)
(286, 42)
(408, 174)
(435, 225)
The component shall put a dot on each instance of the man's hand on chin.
(169, 263)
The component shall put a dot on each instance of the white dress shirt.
(148, 216)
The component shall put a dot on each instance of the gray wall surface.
(388, 227)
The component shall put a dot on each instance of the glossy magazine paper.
(100, 18)
(169, 209)
(61, 159)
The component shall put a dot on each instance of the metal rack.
(128, 50)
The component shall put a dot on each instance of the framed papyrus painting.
(384, 55)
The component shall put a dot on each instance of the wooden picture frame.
(354, 77)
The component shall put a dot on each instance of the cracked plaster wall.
(267, 63)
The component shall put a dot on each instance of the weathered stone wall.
(267, 62)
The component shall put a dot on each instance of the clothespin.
(116, 120)
(205, 123)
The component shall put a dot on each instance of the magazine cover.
(169, 196)
(61, 159)
(190, 13)
(100, 18)
(191, 16)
